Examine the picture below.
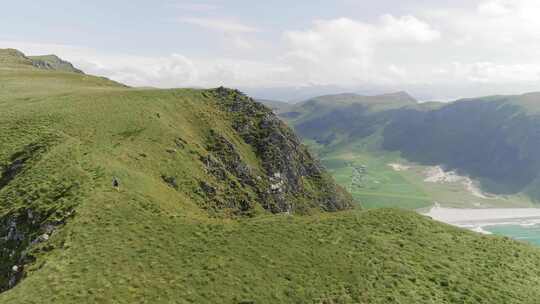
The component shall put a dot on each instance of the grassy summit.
(217, 203)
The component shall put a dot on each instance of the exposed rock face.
(237, 189)
(53, 62)
(293, 181)
(23, 227)
(226, 152)
(19, 232)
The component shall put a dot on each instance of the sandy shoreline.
(477, 219)
(436, 174)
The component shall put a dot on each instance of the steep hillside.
(328, 118)
(111, 194)
(494, 139)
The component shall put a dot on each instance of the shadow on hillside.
(491, 142)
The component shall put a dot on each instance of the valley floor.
(384, 179)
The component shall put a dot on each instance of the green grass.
(152, 243)
(381, 186)
(119, 251)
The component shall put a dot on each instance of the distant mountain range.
(494, 139)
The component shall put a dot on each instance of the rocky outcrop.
(20, 232)
(293, 181)
(53, 62)
(29, 223)
(236, 187)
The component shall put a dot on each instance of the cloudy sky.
(437, 49)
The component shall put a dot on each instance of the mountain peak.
(53, 62)
(12, 58)
(400, 95)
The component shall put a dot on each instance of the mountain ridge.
(352, 98)
(15, 58)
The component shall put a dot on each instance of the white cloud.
(220, 25)
(494, 8)
(180, 71)
(197, 7)
(497, 45)
(406, 28)
(493, 46)
(345, 51)
(234, 33)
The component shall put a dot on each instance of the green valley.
(390, 146)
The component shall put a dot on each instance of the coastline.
(478, 219)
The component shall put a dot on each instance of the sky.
(435, 50)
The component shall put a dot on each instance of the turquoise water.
(529, 234)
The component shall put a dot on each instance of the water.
(526, 233)
(521, 224)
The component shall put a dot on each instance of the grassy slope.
(118, 251)
(148, 243)
(380, 186)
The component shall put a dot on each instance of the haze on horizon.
(442, 50)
